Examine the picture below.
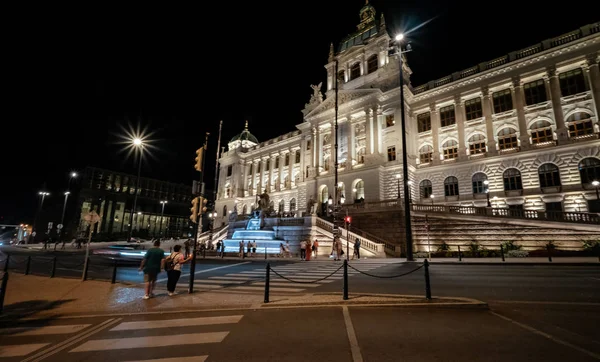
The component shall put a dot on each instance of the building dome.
(244, 139)
(245, 136)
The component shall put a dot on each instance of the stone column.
(291, 168)
(555, 95)
(489, 122)
(261, 185)
(280, 171)
(368, 132)
(319, 150)
(271, 167)
(594, 78)
(459, 115)
(377, 130)
(435, 126)
(313, 150)
(302, 165)
(519, 104)
(351, 145)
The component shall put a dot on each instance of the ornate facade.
(520, 131)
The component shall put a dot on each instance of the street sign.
(92, 218)
(50, 225)
(59, 226)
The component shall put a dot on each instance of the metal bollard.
(265, 253)
(427, 284)
(459, 255)
(3, 290)
(8, 260)
(502, 252)
(267, 281)
(345, 279)
(53, 272)
(114, 275)
(85, 269)
(549, 253)
(28, 266)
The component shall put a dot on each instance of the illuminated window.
(389, 120)
(450, 149)
(391, 151)
(424, 122)
(541, 131)
(426, 154)
(479, 186)
(507, 139)
(580, 124)
(477, 144)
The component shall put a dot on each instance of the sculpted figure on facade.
(317, 97)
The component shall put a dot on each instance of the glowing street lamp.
(162, 213)
(138, 144)
(596, 184)
(487, 192)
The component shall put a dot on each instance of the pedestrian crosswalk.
(297, 277)
(162, 339)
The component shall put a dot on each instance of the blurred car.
(122, 251)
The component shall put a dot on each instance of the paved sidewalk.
(28, 295)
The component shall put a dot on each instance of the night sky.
(77, 77)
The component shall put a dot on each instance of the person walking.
(303, 250)
(308, 252)
(315, 248)
(152, 264)
(175, 260)
(356, 249)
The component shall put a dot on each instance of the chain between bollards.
(53, 272)
(28, 266)
(114, 274)
(345, 279)
(267, 281)
(8, 260)
(427, 284)
(3, 290)
(502, 252)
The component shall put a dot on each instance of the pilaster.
(519, 104)
(489, 122)
(555, 96)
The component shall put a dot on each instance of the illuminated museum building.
(527, 123)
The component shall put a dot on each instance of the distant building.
(111, 194)
(521, 130)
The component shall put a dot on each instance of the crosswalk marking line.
(276, 289)
(38, 331)
(231, 278)
(216, 281)
(207, 286)
(150, 341)
(186, 322)
(284, 284)
(207, 270)
(19, 350)
(247, 276)
(176, 359)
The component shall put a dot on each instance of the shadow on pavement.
(14, 312)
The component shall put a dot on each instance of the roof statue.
(331, 53)
(317, 96)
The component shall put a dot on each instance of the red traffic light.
(348, 219)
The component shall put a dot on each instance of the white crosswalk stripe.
(152, 344)
(254, 280)
(9, 349)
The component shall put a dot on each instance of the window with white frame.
(426, 154)
(477, 144)
(450, 149)
(580, 124)
(507, 138)
(541, 132)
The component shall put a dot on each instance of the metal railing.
(369, 242)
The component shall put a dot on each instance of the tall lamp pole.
(64, 210)
(407, 222)
(335, 182)
(398, 179)
(162, 214)
(487, 192)
(139, 144)
(37, 215)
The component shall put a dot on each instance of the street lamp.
(162, 213)
(72, 175)
(431, 197)
(487, 192)
(596, 183)
(43, 194)
(398, 179)
(398, 51)
(139, 145)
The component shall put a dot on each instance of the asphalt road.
(336, 334)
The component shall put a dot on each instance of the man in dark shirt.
(152, 264)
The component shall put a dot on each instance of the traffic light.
(204, 202)
(199, 156)
(194, 210)
(348, 219)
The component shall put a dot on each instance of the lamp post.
(410, 191)
(487, 192)
(398, 179)
(139, 144)
(398, 51)
(596, 183)
(162, 213)
(35, 222)
(64, 210)
(431, 197)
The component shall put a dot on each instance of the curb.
(432, 263)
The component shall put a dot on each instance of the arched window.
(293, 205)
(541, 131)
(245, 209)
(589, 170)
(426, 154)
(450, 149)
(580, 124)
(372, 64)
(479, 186)
(549, 175)
(477, 144)
(359, 190)
(355, 71)
(512, 180)
(323, 194)
(425, 189)
(281, 206)
(224, 210)
(451, 186)
(507, 138)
